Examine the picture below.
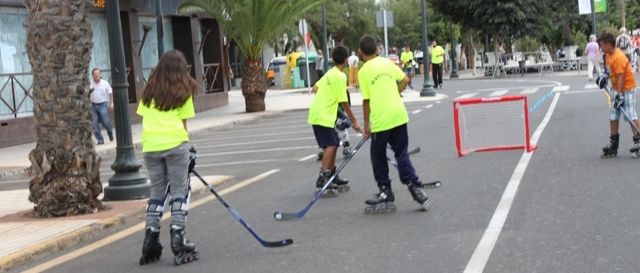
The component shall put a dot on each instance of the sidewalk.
(22, 237)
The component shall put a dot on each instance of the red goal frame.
(458, 130)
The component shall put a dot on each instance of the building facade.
(200, 39)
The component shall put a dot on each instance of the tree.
(64, 163)
(252, 24)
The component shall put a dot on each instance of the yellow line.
(138, 227)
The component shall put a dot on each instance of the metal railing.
(15, 95)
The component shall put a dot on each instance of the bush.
(527, 44)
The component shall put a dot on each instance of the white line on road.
(129, 231)
(285, 132)
(561, 88)
(428, 106)
(468, 95)
(258, 151)
(307, 157)
(498, 93)
(529, 90)
(488, 241)
(583, 91)
(416, 111)
(254, 142)
(591, 86)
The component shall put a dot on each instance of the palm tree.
(252, 24)
(64, 162)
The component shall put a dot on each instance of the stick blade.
(414, 151)
(284, 216)
(432, 185)
(281, 243)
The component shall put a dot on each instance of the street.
(559, 209)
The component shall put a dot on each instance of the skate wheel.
(426, 205)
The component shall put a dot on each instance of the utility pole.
(427, 86)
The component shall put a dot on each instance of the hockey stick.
(236, 215)
(430, 185)
(612, 97)
(298, 215)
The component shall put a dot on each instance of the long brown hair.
(170, 84)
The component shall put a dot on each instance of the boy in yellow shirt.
(385, 121)
(330, 91)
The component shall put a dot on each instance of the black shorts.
(325, 136)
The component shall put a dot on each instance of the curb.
(82, 234)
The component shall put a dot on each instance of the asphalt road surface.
(559, 209)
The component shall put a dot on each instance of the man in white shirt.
(101, 96)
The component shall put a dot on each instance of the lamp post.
(127, 182)
(325, 46)
(454, 63)
(427, 86)
(159, 28)
(593, 17)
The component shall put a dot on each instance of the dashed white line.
(498, 93)
(428, 106)
(416, 111)
(530, 90)
(307, 157)
(590, 86)
(561, 88)
(258, 151)
(468, 95)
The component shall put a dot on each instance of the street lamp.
(454, 63)
(159, 28)
(127, 182)
(427, 86)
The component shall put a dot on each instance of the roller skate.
(151, 247)
(346, 150)
(635, 149)
(331, 190)
(320, 154)
(381, 203)
(183, 250)
(419, 195)
(611, 150)
(342, 185)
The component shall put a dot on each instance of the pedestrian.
(407, 63)
(330, 92)
(385, 122)
(623, 84)
(101, 96)
(593, 52)
(623, 42)
(320, 64)
(437, 58)
(165, 106)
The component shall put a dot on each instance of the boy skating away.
(623, 84)
(330, 91)
(385, 121)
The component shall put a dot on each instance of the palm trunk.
(254, 85)
(64, 163)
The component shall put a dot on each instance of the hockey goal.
(491, 124)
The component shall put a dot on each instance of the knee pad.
(180, 206)
(155, 207)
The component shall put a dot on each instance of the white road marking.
(529, 90)
(285, 132)
(561, 88)
(590, 86)
(438, 101)
(498, 93)
(488, 241)
(307, 157)
(583, 91)
(428, 106)
(139, 227)
(258, 151)
(254, 142)
(468, 95)
(416, 111)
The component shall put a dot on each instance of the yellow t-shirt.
(162, 131)
(378, 80)
(332, 90)
(437, 55)
(619, 64)
(406, 57)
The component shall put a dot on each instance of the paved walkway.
(22, 237)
